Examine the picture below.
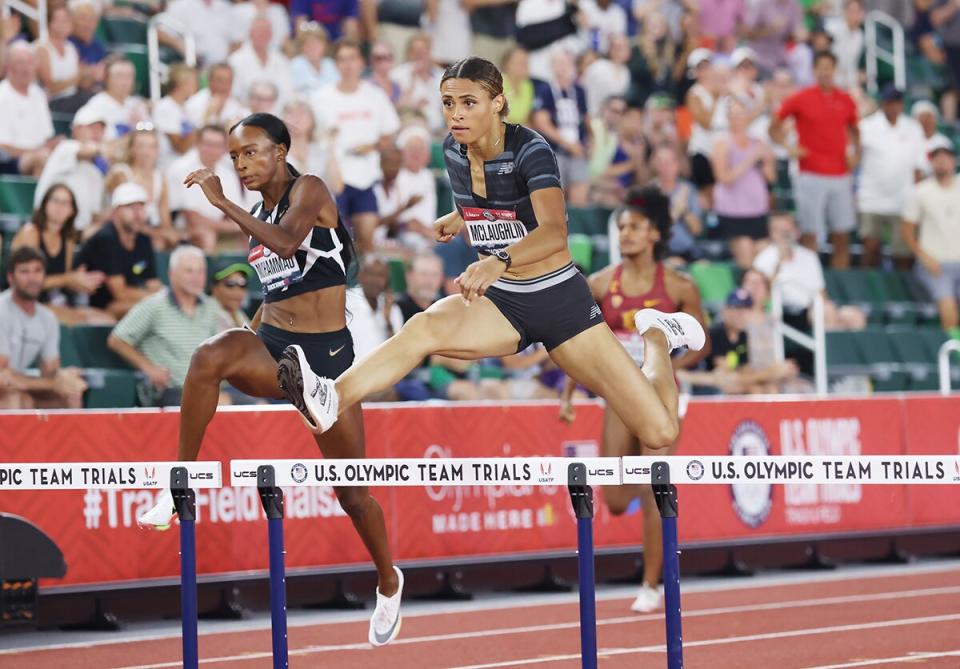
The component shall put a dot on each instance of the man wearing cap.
(229, 289)
(927, 115)
(79, 163)
(828, 148)
(934, 208)
(123, 252)
(893, 158)
(159, 335)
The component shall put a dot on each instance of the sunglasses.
(235, 283)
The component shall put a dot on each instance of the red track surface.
(909, 619)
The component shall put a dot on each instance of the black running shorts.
(329, 354)
(549, 309)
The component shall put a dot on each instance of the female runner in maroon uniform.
(640, 282)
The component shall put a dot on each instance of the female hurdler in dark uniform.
(300, 250)
(524, 289)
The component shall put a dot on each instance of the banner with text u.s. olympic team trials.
(97, 531)
(104, 475)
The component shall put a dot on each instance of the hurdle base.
(449, 591)
(549, 583)
(227, 608)
(99, 621)
(342, 600)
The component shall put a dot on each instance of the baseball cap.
(890, 93)
(924, 107)
(128, 193)
(88, 115)
(740, 298)
(742, 54)
(941, 143)
(698, 56)
(224, 267)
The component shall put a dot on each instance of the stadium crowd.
(752, 116)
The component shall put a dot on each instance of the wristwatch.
(502, 255)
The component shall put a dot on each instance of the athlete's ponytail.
(277, 131)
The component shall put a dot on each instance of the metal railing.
(38, 13)
(943, 364)
(159, 69)
(875, 53)
(817, 343)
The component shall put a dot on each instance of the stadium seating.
(16, 195)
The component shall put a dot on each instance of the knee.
(420, 332)
(353, 501)
(208, 361)
(661, 435)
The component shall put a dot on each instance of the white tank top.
(62, 66)
(701, 139)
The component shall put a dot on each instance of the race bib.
(492, 229)
(275, 273)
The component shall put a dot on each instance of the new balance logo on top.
(505, 168)
(594, 312)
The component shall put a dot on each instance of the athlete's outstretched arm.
(310, 204)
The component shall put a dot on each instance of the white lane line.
(299, 619)
(912, 657)
(532, 629)
(729, 640)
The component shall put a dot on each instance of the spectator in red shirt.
(828, 147)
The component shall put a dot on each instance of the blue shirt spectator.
(567, 108)
(328, 13)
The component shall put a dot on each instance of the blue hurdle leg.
(666, 496)
(272, 499)
(184, 501)
(581, 496)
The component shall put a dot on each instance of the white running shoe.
(648, 599)
(161, 515)
(385, 623)
(315, 397)
(680, 328)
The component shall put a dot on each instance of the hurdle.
(182, 477)
(577, 474)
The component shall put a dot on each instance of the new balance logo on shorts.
(594, 313)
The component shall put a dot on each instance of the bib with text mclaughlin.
(492, 229)
(275, 273)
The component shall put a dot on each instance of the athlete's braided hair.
(483, 72)
(652, 203)
(277, 131)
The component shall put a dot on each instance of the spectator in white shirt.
(242, 15)
(258, 60)
(312, 69)
(26, 129)
(607, 77)
(419, 81)
(366, 121)
(57, 59)
(79, 164)
(170, 114)
(374, 317)
(927, 115)
(214, 105)
(116, 102)
(205, 224)
(416, 190)
(798, 273)
(209, 23)
(931, 230)
(599, 21)
(893, 158)
(847, 33)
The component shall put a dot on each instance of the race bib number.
(275, 273)
(492, 229)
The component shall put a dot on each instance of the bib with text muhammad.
(275, 273)
(492, 229)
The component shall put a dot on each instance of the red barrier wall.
(97, 529)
